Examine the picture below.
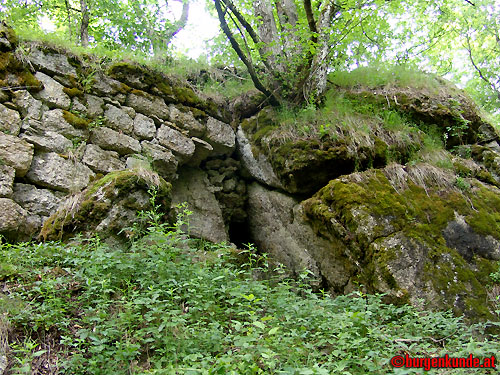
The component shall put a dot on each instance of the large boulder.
(206, 220)
(15, 222)
(413, 233)
(55, 172)
(108, 206)
(16, 153)
(277, 227)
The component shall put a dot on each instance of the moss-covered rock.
(412, 233)
(457, 117)
(108, 205)
(8, 38)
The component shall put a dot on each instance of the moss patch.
(77, 121)
(73, 92)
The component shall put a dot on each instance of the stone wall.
(72, 123)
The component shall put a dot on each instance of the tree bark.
(268, 33)
(84, 26)
(315, 84)
(180, 23)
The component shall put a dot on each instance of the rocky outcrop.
(108, 206)
(361, 198)
(411, 233)
(206, 219)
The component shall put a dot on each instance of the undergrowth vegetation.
(174, 305)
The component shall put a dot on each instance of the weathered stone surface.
(148, 104)
(106, 86)
(7, 175)
(51, 63)
(53, 93)
(259, 168)
(109, 139)
(277, 228)
(411, 233)
(460, 236)
(77, 105)
(108, 205)
(42, 202)
(144, 127)
(94, 105)
(102, 161)
(173, 139)
(138, 162)
(206, 221)
(54, 121)
(16, 153)
(118, 119)
(29, 107)
(221, 136)
(202, 151)
(45, 140)
(163, 161)
(15, 223)
(52, 171)
(3, 96)
(10, 121)
(186, 120)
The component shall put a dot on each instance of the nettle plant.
(169, 304)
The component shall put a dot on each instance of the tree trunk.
(315, 84)
(84, 26)
(268, 34)
(179, 24)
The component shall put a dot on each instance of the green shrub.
(171, 305)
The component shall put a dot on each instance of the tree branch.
(311, 21)
(225, 28)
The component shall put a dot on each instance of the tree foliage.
(292, 44)
(144, 25)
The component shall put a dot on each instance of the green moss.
(95, 202)
(187, 96)
(122, 69)
(5, 60)
(9, 34)
(28, 79)
(73, 92)
(165, 89)
(76, 121)
(485, 217)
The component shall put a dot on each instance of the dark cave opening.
(239, 234)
